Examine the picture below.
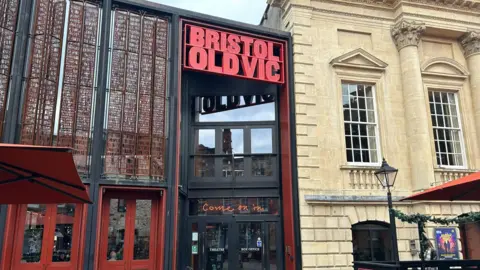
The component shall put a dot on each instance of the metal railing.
(418, 265)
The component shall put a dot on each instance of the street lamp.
(386, 175)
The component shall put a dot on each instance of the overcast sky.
(247, 11)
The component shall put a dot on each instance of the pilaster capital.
(407, 33)
(470, 43)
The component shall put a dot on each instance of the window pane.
(143, 216)
(62, 244)
(362, 111)
(232, 141)
(116, 230)
(33, 233)
(261, 140)
(361, 103)
(250, 241)
(272, 246)
(204, 166)
(262, 166)
(447, 133)
(349, 155)
(205, 142)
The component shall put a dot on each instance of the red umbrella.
(463, 189)
(39, 175)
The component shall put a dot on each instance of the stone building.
(394, 79)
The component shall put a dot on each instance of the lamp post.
(386, 175)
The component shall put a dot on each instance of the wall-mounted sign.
(232, 208)
(446, 243)
(220, 104)
(237, 206)
(232, 54)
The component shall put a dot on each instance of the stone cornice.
(407, 33)
(470, 6)
(470, 43)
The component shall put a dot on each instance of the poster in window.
(446, 243)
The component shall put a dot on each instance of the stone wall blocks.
(332, 222)
(306, 222)
(307, 234)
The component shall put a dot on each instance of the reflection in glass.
(205, 142)
(261, 140)
(250, 244)
(216, 246)
(244, 110)
(272, 246)
(116, 232)
(204, 166)
(143, 216)
(33, 233)
(262, 166)
(232, 141)
(62, 240)
(233, 162)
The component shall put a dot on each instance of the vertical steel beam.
(173, 86)
(98, 141)
(12, 114)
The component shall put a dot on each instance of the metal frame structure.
(174, 146)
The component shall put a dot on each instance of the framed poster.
(446, 243)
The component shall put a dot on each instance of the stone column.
(406, 35)
(471, 48)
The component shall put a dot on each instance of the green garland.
(421, 220)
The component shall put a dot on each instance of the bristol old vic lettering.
(231, 54)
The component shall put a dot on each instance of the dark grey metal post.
(393, 228)
(15, 89)
(173, 189)
(98, 143)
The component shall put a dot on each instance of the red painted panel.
(287, 175)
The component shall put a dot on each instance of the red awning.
(463, 189)
(39, 175)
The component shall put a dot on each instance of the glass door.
(48, 237)
(211, 241)
(258, 245)
(128, 231)
(227, 244)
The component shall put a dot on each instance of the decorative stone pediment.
(359, 59)
(444, 67)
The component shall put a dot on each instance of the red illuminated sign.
(232, 54)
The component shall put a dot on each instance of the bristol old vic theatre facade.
(182, 128)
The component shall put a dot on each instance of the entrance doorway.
(234, 243)
(130, 230)
(48, 236)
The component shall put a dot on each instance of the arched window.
(371, 241)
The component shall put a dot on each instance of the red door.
(48, 237)
(129, 229)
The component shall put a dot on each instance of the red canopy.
(463, 189)
(40, 175)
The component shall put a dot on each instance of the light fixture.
(386, 175)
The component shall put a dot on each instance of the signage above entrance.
(220, 104)
(231, 54)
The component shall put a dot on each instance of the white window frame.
(460, 128)
(377, 130)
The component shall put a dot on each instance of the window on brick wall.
(360, 123)
(447, 129)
